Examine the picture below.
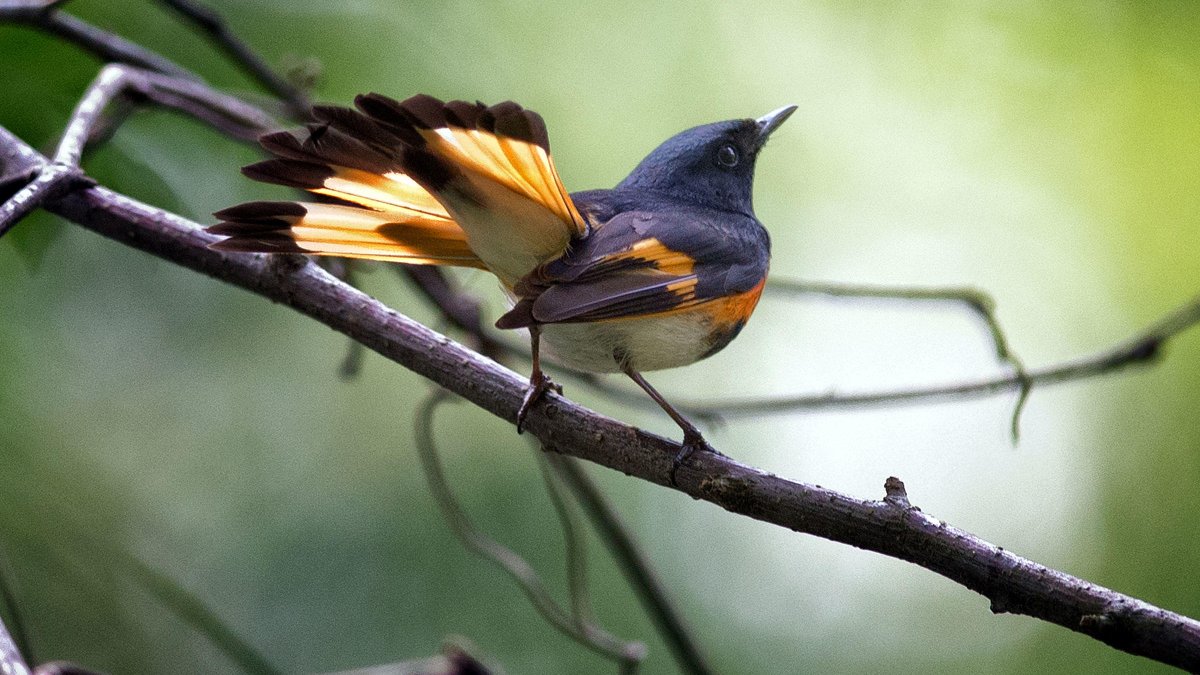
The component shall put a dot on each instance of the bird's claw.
(691, 443)
(539, 384)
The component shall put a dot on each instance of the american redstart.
(661, 271)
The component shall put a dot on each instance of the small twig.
(1140, 349)
(634, 563)
(576, 543)
(108, 46)
(583, 632)
(298, 104)
(974, 299)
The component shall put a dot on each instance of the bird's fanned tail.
(416, 181)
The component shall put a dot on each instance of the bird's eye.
(727, 156)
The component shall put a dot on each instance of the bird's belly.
(647, 343)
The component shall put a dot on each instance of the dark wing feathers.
(257, 218)
(325, 143)
(289, 173)
(629, 294)
(640, 263)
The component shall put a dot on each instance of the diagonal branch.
(889, 526)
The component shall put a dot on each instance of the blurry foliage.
(1048, 154)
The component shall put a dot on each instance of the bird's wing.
(638, 263)
(420, 181)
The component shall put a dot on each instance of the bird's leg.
(693, 440)
(539, 382)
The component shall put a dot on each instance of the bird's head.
(712, 164)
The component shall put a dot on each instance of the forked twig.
(226, 114)
(49, 179)
(633, 562)
(586, 633)
(974, 299)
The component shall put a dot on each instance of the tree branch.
(889, 526)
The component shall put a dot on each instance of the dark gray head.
(710, 165)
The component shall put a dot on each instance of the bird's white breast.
(649, 343)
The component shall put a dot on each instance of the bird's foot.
(692, 441)
(539, 384)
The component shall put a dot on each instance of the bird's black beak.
(771, 121)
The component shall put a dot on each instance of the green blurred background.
(1047, 153)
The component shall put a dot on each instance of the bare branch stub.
(894, 492)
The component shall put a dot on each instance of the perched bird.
(659, 272)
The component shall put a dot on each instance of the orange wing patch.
(653, 251)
